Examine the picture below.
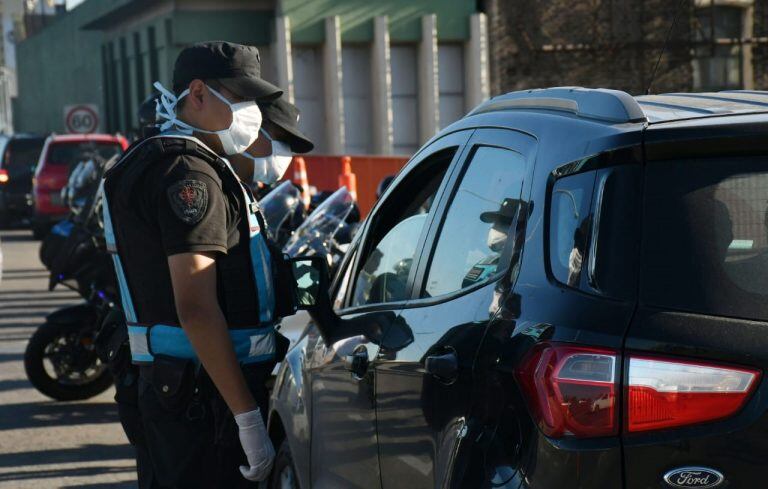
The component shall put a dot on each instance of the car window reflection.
(478, 222)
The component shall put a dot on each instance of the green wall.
(356, 18)
(63, 64)
(59, 66)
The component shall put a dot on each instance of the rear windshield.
(705, 244)
(71, 154)
(21, 155)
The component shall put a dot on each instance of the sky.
(73, 3)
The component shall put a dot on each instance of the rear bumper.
(48, 203)
(16, 204)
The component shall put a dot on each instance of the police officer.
(267, 159)
(197, 276)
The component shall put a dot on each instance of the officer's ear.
(198, 93)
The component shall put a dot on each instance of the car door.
(424, 389)
(374, 285)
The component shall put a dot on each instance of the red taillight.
(571, 390)
(670, 394)
(4, 176)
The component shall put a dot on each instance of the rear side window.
(70, 154)
(21, 156)
(705, 244)
(612, 255)
(569, 226)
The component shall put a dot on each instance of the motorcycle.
(328, 231)
(61, 359)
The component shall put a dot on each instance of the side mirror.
(312, 288)
(312, 281)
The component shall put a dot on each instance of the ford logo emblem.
(699, 477)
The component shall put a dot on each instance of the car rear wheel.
(283, 473)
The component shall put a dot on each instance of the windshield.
(279, 204)
(70, 154)
(705, 236)
(317, 232)
(81, 184)
(85, 190)
(21, 155)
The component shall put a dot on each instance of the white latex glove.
(256, 445)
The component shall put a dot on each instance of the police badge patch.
(189, 200)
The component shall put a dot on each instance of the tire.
(49, 337)
(283, 471)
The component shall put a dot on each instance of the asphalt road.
(47, 444)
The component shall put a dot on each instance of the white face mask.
(246, 120)
(496, 239)
(270, 169)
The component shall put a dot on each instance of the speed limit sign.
(81, 119)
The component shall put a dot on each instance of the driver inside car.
(500, 222)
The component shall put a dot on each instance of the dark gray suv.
(568, 288)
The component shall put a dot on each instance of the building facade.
(710, 44)
(12, 30)
(369, 77)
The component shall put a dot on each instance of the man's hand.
(256, 445)
(194, 289)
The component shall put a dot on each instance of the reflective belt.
(251, 345)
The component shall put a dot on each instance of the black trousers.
(195, 445)
(127, 398)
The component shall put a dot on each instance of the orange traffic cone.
(300, 179)
(347, 178)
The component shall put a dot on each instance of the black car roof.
(617, 107)
(680, 106)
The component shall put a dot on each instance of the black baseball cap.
(505, 214)
(285, 115)
(236, 66)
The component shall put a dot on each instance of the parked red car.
(60, 155)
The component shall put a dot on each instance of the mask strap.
(250, 156)
(266, 135)
(166, 109)
(220, 96)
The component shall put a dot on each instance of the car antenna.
(664, 47)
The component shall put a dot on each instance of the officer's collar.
(175, 133)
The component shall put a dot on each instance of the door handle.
(357, 362)
(444, 367)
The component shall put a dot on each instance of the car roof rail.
(601, 104)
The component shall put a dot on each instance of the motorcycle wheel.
(62, 367)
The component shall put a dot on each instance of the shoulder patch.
(189, 200)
